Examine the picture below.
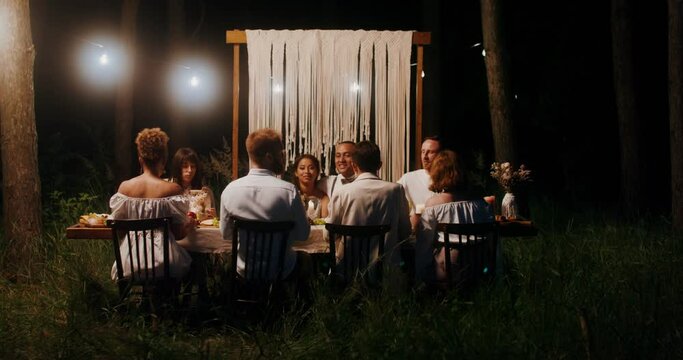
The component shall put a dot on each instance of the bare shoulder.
(129, 187)
(168, 188)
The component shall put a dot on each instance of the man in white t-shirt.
(416, 183)
(343, 152)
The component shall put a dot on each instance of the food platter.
(93, 220)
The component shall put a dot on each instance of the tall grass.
(588, 285)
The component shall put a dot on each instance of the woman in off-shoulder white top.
(450, 204)
(176, 207)
(147, 196)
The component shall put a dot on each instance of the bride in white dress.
(148, 196)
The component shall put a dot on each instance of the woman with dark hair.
(450, 204)
(187, 172)
(147, 196)
(306, 172)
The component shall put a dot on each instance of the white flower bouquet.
(507, 177)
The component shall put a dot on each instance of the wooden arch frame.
(239, 37)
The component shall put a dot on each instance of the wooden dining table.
(207, 239)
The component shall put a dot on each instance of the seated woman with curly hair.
(147, 196)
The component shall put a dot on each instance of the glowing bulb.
(355, 87)
(423, 73)
(277, 88)
(483, 53)
(194, 81)
(104, 59)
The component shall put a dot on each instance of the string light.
(192, 84)
(102, 61)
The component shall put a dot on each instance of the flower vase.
(508, 207)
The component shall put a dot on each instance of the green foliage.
(66, 210)
(217, 166)
(622, 279)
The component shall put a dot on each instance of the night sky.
(560, 66)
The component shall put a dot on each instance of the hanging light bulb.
(194, 81)
(104, 59)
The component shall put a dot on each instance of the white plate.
(207, 222)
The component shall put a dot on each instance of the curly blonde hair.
(152, 146)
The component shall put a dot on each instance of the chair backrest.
(263, 245)
(476, 245)
(141, 249)
(356, 249)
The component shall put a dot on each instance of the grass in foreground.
(582, 288)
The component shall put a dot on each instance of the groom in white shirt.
(343, 152)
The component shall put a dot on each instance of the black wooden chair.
(357, 257)
(476, 245)
(145, 266)
(262, 245)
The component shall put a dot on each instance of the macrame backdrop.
(318, 87)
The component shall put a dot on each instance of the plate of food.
(209, 222)
(93, 220)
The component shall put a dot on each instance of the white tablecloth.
(209, 240)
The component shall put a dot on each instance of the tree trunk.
(504, 140)
(624, 90)
(124, 98)
(176, 30)
(18, 139)
(676, 109)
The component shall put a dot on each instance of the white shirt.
(332, 183)
(416, 185)
(262, 196)
(368, 200)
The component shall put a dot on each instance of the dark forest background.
(560, 66)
